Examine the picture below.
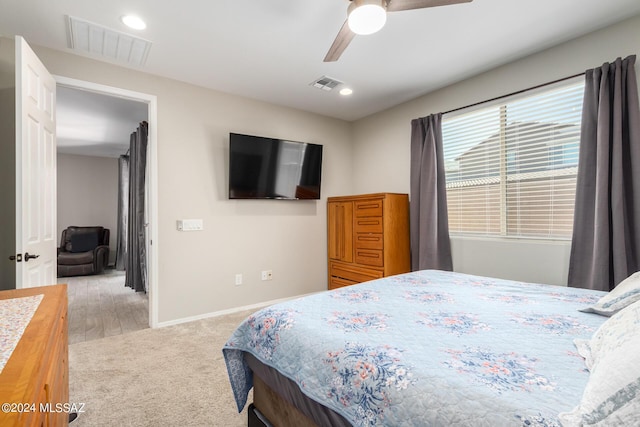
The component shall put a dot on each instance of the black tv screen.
(268, 168)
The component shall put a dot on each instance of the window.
(511, 168)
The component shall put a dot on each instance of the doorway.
(151, 193)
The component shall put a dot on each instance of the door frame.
(152, 183)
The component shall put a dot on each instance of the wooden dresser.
(368, 237)
(37, 373)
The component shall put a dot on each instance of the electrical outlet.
(238, 279)
(267, 275)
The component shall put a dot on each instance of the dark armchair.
(83, 251)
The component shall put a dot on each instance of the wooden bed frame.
(277, 410)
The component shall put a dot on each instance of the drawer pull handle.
(368, 255)
(368, 205)
(370, 222)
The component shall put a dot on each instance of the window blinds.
(511, 167)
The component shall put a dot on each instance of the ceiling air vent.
(96, 40)
(325, 83)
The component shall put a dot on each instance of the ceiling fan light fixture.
(366, 16)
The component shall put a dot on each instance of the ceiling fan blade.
(344, 37)
(398, 5)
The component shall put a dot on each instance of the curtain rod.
(514, 93)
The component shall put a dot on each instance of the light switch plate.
(189, 225)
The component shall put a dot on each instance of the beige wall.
(197, 269)
(88, 194)
(381, 143)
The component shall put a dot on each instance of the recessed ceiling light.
(345, 91)
(134, 22)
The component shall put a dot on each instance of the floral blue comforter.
(429, 348)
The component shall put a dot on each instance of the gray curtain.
(123, 211)
(429, 224)
(606, 230)
(136, 259)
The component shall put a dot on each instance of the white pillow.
(584, 350)
(612, 394)
(627, 292)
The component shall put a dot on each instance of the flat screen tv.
(269, 168)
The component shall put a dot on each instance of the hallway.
(102, 306)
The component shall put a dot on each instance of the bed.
(428, 348)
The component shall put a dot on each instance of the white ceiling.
(272, 50)
(93, 124)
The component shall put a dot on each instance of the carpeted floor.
(172, 376)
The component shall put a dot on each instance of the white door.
(35, 170)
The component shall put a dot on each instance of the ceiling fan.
(368, 16)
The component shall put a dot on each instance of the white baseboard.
(228, 311)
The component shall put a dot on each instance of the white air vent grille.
(94, 39)
(325, 83)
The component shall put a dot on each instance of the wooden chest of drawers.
(368, 237)
(36, 375)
